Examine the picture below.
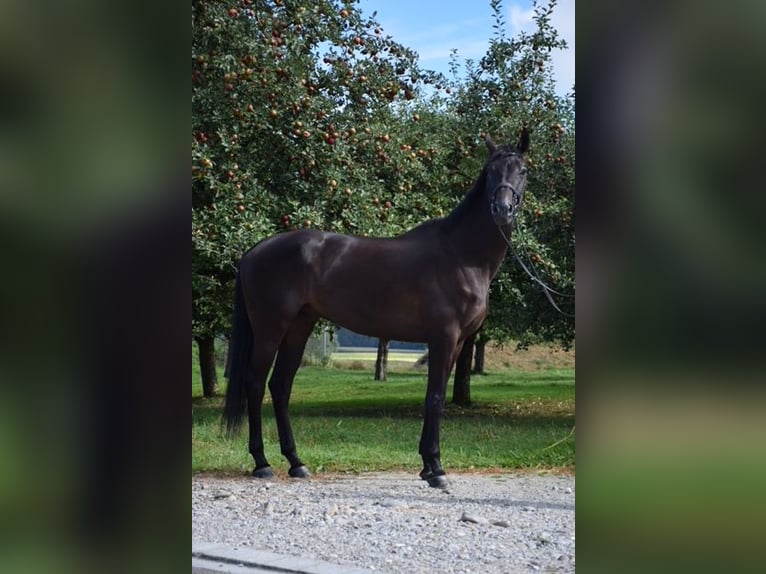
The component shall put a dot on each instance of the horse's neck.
(473, 233)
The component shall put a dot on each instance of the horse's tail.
(238, 362)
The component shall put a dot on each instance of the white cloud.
(521, 20)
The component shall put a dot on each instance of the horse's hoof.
(264, 472)
(299, 472)
(434, 480)
(439, 481)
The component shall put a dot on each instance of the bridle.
(515, 195)
(516, 202)
(514, 214)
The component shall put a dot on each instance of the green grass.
(345, 422)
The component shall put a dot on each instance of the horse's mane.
(476, 193)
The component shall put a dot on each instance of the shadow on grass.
(518, 398)
(208, 411)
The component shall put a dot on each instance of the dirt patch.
(497, 358)
(535, 358)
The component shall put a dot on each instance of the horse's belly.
(382, 320)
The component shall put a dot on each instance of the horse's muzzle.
(504, 221)
(503, 211)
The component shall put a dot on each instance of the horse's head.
(506, 177)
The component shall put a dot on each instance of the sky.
(433, 27)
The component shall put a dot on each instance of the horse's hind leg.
(281, 384)
(262, 357)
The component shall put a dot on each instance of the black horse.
(429, 285)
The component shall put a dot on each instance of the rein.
(547, 290)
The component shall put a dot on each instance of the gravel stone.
(395, 523)
(474, 519)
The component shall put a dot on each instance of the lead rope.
(547, 290)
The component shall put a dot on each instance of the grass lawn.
(345, 422)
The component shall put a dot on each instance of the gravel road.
(395, 523)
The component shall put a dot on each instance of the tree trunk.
(478, 361)
(461, 390)
(207, 365)
(381, 363)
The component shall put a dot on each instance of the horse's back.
(293, 262)
(294, 252)
(325, 254)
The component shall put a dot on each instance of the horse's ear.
(490, 144)
(523, 140)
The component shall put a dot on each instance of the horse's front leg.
(441, 358)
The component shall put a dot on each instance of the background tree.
(381, 362)
(479, 349)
